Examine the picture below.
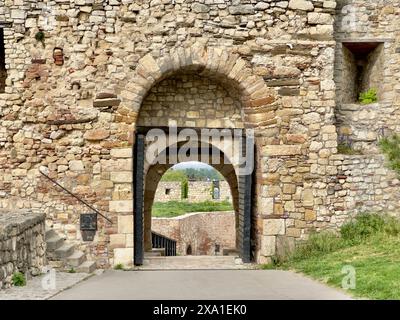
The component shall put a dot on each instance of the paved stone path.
(34, 290)
(201, 285)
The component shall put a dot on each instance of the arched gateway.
(191, 92)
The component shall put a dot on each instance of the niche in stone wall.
(3, 72)
(363, 65)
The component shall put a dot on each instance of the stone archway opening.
(194, 220)
(198, 89)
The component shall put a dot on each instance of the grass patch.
(18, 279)
(370, 244)
(119, 266)
(390, 146)
(347, 150)
(177, 208)
(368, 97)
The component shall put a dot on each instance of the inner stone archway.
(154, 173)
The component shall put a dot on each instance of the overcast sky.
(195, 165)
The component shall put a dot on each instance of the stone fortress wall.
(22, 244)
(71, 104)
(198, 191)
(168, 191)
(207, 233)
(371, 29)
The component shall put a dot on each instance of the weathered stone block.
(267, 206)
(284, 246)
(310, 215)
(308, 198)
(121, 206)
(273, 227)
(200, 8)
(125, 224)
(121, 177)
(268, 246)
(117, 241)
(122, 153)
(282, 150)
(76, 165)
(96, 134)
(123, 256)
(319, 18)
(99, 103)
(301, 5)
(241, 9)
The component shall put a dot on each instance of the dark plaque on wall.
(88, 222)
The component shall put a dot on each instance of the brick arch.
(214, 63)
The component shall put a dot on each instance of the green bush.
(184, 189)
(119, 266)
(18, 279)
(368, 97)
(390, 146)
(318, 243)
(367, 225)
(363, 227)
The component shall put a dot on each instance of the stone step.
(86, 267)
(54, 243)
(230, 252)
(50, 233)
(194, 263)
(155, 253)
(76, 259)
(64, 251)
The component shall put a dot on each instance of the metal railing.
(161, 242)
(75, 196)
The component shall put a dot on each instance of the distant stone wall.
(168, 191)
(200, 191)
(22, 244)
(203, 232)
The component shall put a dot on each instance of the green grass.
(18, 279)
(368, 97)
(347, 150)
(177, 208)
(390, 146)
(119, 266)
(370, 244)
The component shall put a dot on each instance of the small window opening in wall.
(167, 192)
(216, 193)
(363, 65)
(3, 72)
(217, 249)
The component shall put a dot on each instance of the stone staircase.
(64, 256)
(154, 262)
